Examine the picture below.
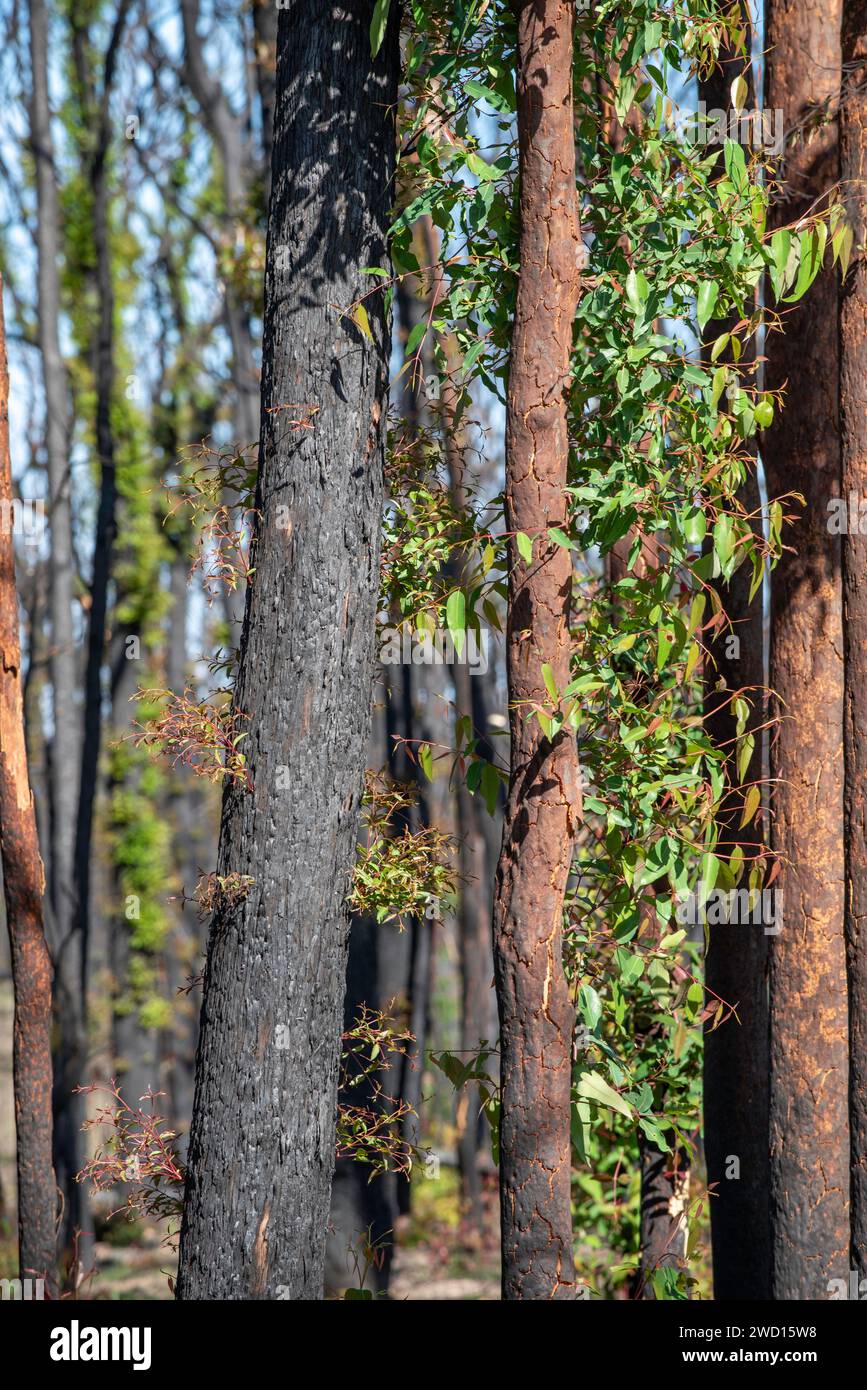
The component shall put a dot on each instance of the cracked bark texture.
(23, 889)
(853, 420)
(808, 1007)
(543, 804)
(262, 1137)
(736, 1058)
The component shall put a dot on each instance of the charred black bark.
(262, 1141)
(736, 1058)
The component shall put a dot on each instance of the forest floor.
(435, 1258)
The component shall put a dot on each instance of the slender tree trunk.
(853, 412)
(361, 1209)
(262, 1141)
(23, 888)
(106, 516)
(736, 1060)
(64, 791)
(808, 1008)
(474, 917)
(544, 802)
(474, 904)
(416, 957)
(66, 948)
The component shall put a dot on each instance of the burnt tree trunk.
(808, 1097)
(736, 1053)
(853, 413)
(664, 1226)
(543, 804)
(262, 1142)
(23, 887)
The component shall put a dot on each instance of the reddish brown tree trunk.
(23, 887)
(853, 403)
(544, 802)
(808, 1098)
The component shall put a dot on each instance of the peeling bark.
(23, 887)
(544, 803)
(853, 409)
(808, 1007)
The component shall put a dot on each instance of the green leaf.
(490, 787)
(456, 619)
(812, 243)
(637, 290)
(425, 757)
(696, 613)
(724, 543)
(746, 747)
(525, 547)
(590, 1005)
(719, 346)
(735, 164)
(708, 293)
(694, 525)
(560, 538)
(781, 243)
(764, 414)
(482, 93)
(664, 643)
(707, 876)
(550, 683)
(593, 1086)
(378, 25)
(630, 965)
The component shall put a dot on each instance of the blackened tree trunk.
(363, 1210)
(853, 414)
(23, 887)
(64, 753)
(417, 958)
(808, 1008)
(736, 1061)
(544, 803)
(664, 1209)
(262, 1141)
